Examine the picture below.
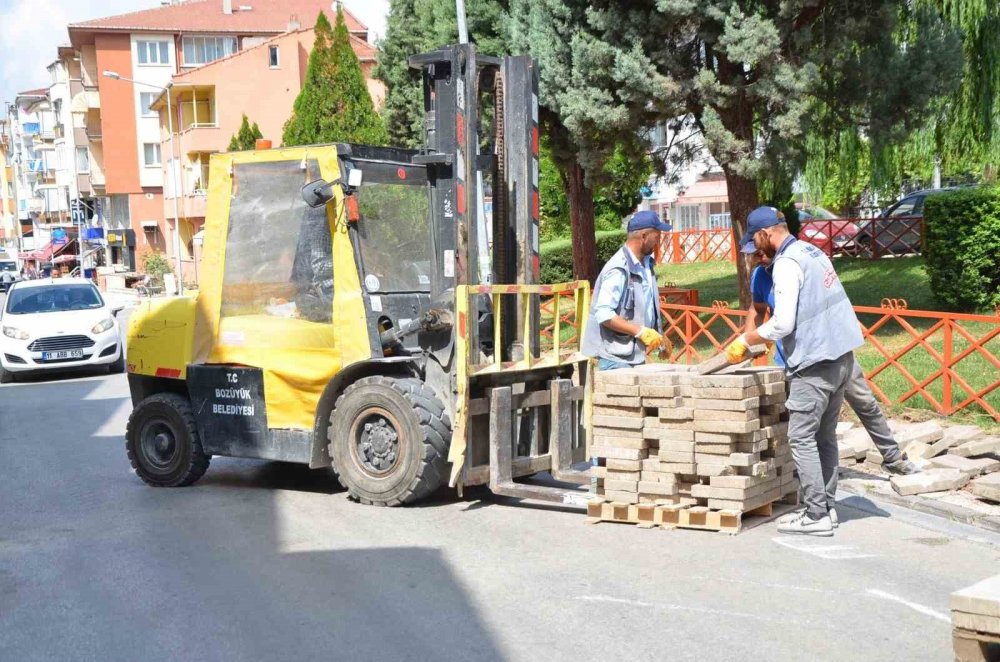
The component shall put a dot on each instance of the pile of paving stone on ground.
(952, 458)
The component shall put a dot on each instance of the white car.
(57, 324)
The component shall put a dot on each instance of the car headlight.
(16, 334)
(103, 325)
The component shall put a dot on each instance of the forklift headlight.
(103, 325)
(16, 334)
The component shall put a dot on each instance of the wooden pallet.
(674, 516)
(973, 646)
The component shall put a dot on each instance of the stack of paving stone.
(975, 618)
(666, 439)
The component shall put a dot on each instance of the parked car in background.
(57, 324)
(897, 230)
(8, 273)
(828, 232)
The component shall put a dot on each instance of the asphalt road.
(268, 561)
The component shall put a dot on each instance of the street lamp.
(174, 167)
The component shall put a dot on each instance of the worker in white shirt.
(818, 330)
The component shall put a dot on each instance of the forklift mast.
(517, 412)
(471, 246)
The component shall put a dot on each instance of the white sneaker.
(804, 525)
(834, 519)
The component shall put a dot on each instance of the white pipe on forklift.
(463, 31)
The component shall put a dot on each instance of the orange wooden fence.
(848, 237)
(947, 362)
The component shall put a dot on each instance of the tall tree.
(334, 104)
(753, 75)
(247, 136)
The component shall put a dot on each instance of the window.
(688, 217)
(202, 50)
(153, 52)
(151, 154)
(906, 207)
(82, 160)
(146, 100)
(272, 57)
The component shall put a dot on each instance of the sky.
(31, 30)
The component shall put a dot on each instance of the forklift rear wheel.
(162, 442)
(388, 440)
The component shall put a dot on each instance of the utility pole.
(463, 30)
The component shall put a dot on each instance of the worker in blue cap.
(625, 318)
(818, 330)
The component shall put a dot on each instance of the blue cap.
(759, 218)
(644, 220)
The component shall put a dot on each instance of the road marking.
(689, 608)
(726, 580)
(818, 549)
(927, 611)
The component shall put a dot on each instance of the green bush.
(556, 257)
(962, 250)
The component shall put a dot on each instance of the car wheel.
(118, 367)
(162, 442)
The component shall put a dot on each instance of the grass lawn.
(867, 282)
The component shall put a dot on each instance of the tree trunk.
(742, 200)
(581, 219)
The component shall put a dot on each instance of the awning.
(85, 100)
(149, 224)
(704, 191)
(64, 258)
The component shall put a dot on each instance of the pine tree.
(246, 138)
(334, 104)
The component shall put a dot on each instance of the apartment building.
(10, 231)
(32, 135)
(145, 50)
(207, 105)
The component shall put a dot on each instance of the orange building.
(208, 105)
(146, 49)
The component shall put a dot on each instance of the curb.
(946, 511)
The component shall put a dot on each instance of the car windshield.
(8, 266)
(53, 299)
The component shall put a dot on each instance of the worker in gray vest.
(819, 332)
(625, 318)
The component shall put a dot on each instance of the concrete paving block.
(983, 446)
(916, 450)
(953, 436)
(619, 422)
(927, 433)
(966, 465)
(982, 598)
(931, 480)
(623, 465)
(987, 487)
(856, 443)
(617, 389)
(963, 464)
(873, 457)
(843, 427)
(617, 400)
(975, 622)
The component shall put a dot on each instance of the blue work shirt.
(610, 294)
(762, 291)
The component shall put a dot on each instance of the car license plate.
(65, 354)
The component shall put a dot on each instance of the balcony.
(59, 132)
(192, 205)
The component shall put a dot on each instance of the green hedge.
(962, 250)
(556, 257)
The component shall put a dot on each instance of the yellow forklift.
(363, 308)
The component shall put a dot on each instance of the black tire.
(6, 376)
(162, 442)
(118, 367)
(389, 440)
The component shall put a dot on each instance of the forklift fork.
(560, 448)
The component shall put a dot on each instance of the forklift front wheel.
(388, 440)
(162, 442)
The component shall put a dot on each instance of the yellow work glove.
(736, 350)
(649, 337)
